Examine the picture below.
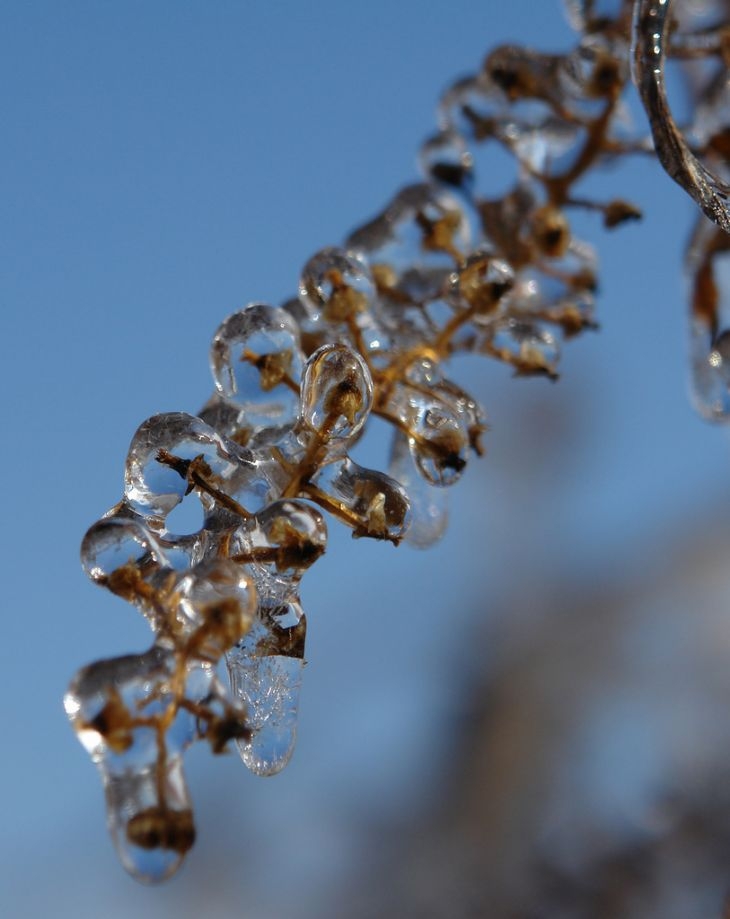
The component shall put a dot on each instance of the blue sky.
(163, 164)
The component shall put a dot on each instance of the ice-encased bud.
(120, 553)
(114, 706)
(559, 290)
(337, 392)
(480, 283)
(422, 226)
(595, 70)
(555, 297)
(337, 285)
(116, 545)
(429, 505)
(522, 120)
(437, 440)
(592, 15)
(265, 669)
(370, 502)
(445, 159)
(436, 431)
(544, 143)
(278, 544)
(172, 454)
(469, 106)
(550, 231)
(426, 376)
(521, 73)
(217, 604)
(256, 360)
(528, 346)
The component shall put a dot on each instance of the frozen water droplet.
(559, 290)
(118, 542)
(175, 455)
(436, 433)
(120, 553)
(136, 715)
(437, 442)
(429, 377)
(256, 361)
(337, 285)
(542, 142)
(469, 105)
(423, 226)
(338, 295)
(153, 486)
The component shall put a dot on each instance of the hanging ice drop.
(709, 321)
(116, 706)
(266, 676)
(429, 504)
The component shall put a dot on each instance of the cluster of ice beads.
(449, 265)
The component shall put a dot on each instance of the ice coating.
(448, 265)
(709, 321)
(652, 20)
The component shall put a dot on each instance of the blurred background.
(527, 721)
